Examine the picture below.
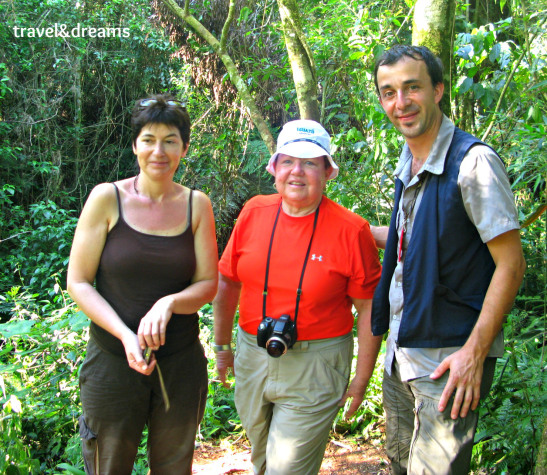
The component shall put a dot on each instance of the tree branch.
(226, 27)
(233, 73)
(301, 59)
(14, 236)
(502, 95)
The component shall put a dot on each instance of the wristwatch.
(217, 348)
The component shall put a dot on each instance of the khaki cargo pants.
(287, 405)
(420, 439)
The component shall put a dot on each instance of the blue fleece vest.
(447, 267)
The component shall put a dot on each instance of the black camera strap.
(299, 289)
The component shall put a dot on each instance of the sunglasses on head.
(151, 102)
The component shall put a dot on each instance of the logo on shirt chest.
(315, 257)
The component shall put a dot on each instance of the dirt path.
(340, 458)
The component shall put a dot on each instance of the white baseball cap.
(303, 139)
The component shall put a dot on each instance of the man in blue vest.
(452, 267)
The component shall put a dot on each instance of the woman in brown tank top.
(148, 244)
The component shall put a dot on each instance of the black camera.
(276, 335)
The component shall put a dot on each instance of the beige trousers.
(287, 405)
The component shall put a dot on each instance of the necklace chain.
(407, 213)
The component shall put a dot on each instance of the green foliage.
(64, 97)
(221, 418)
(36, 256)
(63, 101)
(477, 50)
(40, 353)
(16, 458)
(501, 73)
(514, 413)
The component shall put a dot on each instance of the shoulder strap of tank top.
(190, 208)
(118, 200)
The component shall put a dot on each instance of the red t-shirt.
(343, 264)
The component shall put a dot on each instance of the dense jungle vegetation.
(65, 103)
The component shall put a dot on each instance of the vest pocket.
(472, 301)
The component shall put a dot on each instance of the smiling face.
(409, 98)
(300, 182)
(159, 148)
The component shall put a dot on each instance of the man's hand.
(465, 378)
(225, 360)
(379, 233)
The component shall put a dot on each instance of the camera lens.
(275, 347)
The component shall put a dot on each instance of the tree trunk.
(541, 462)
(433, 26)
(301, 59)
(220, 48)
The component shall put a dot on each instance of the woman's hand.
(356, 392)
(133, 353)
(153, 325)
(225, 361)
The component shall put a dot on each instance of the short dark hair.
(160, 109)
(419, 53)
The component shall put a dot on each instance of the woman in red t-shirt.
(296, 263)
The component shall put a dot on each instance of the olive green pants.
(287, 405)
(118, 402)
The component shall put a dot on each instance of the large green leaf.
(16, 328)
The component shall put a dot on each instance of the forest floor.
(341, 457)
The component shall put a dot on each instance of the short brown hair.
(160, 109)
(418, 53)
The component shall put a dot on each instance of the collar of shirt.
(436, 158)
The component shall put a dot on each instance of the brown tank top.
(136, 270)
